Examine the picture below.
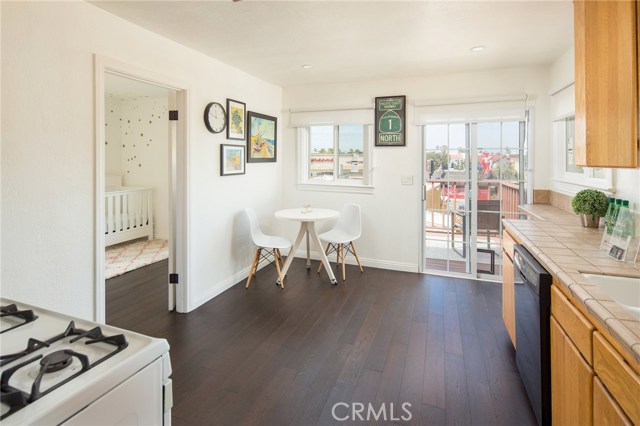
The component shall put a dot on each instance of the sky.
(489, 136)
(351, 136)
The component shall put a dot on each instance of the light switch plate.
(407, 180)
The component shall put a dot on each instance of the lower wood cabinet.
(606, 411)
(621, 381)
(571, 381)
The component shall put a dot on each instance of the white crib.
(128, 214)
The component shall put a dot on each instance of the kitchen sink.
(624, 290)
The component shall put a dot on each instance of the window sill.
(335, 187)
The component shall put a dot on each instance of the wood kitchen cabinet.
(508, 290)
(606, 83)
(606, 411)
(591, 382)
(571, 381)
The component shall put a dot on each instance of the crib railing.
(128, 214)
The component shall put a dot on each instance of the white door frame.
(179, 203)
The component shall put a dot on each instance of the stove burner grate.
(13, 312)
(55, 361)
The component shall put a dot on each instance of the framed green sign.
(390, 120)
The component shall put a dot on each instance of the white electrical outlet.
(407, 180)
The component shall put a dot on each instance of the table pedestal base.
(308, 229)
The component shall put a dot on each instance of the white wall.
(48, 153)
(625, 181)
(137, 147)
(392, 214)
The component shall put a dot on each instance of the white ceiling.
(359, 40)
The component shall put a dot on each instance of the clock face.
(215, 117)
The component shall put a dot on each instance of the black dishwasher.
(533, 313)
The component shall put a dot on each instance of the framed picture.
(236, 123)
(231, 160)
(390, 120)
(261, 139)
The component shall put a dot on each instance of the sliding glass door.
(474, 175)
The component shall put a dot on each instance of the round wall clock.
(215, 117)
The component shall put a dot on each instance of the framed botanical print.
(236, 124)
(262, 138)
(231, 160)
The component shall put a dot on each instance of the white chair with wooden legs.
(341, 237)
(268, 245)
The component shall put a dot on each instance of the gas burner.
(12, 317)
(61, 358)
(55, 361)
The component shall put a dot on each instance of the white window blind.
(511, 108)
(563, 103)
(306, 118)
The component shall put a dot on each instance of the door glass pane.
(350, 151)
(321, 148)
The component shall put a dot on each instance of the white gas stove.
(59, 370)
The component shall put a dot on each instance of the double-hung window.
(335, 156)
(568, 177)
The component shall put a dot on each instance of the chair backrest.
(486, 218)
(254, 226)
(350, 220)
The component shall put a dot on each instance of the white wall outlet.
(407, 180)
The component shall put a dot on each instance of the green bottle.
(614, 216)
(624, 227)
(607, 217)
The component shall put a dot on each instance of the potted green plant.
(591, 205)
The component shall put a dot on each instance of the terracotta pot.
(589, 221)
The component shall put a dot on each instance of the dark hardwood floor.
(266, 356)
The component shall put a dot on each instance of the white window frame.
(335, 185)
(569, 182)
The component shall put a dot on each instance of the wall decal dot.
(128, 121)
(111, 110)
(124, 146)
(147, 144)
(139, 165)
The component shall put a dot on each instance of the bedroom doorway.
(137, 186)
(140, 196)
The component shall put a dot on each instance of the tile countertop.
(565, 249)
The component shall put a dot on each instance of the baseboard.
(223, 286)
(242, 275)
(371, 263)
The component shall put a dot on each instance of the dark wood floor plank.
(452, 338)
(270, 356)
(389, 388)
(433, 416)
(412, 378)
(433, 386)
(457, 399)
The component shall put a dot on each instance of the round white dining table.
(307, 221)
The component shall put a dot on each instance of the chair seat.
(271, 241)
(338, 236)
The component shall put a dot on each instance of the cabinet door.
(606, 411)
(571, 382)
(508, 297)
(606, 83)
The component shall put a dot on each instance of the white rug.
(125, 257)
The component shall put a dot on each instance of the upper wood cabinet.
(606, 83)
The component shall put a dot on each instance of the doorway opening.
(474, 176)
(140, 191)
